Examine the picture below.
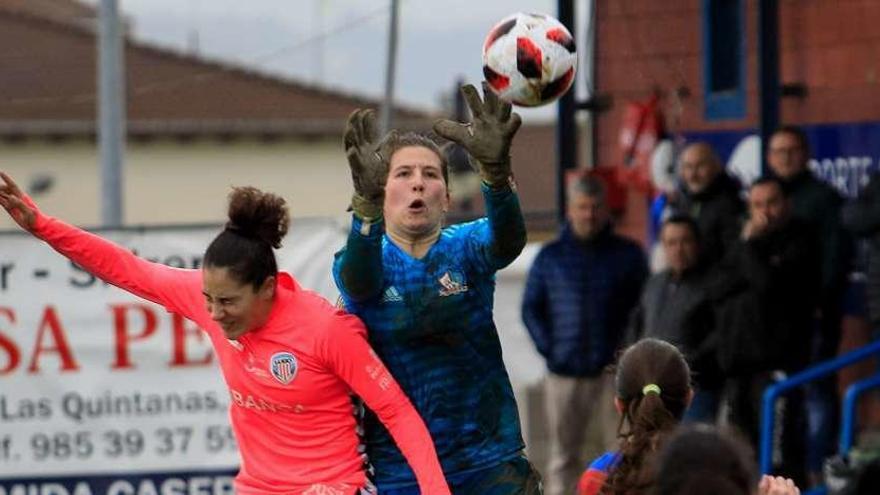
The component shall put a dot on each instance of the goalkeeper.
(426, 295)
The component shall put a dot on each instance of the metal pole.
(111, 110)
(566, 144)
(590, 51)
(768, 61)
(385, 117)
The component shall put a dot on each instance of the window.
(724, 59)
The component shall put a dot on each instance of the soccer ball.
(529, 59)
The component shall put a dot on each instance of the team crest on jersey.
(283, 367)
(453, 283)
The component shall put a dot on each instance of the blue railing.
(768, 413)
(848, 420)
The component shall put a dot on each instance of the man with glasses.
(817, 204)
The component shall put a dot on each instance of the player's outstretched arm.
(19, 207)
(358, 267)
(108, 261)
(487, 138)
(350, 356)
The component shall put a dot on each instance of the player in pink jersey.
(289, 358)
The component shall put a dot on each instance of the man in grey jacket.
(677, 306)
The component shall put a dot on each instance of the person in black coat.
(711, 197)
(862, 218)
(770, 297)
(817, 204)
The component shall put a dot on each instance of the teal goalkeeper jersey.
(430, 321)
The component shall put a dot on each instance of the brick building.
(701, 57)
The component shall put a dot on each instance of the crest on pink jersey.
(283, 367)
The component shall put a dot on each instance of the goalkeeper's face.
(416, 196)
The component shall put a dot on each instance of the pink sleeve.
(173, 288)
(350, 356)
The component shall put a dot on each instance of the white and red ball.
(529, 59)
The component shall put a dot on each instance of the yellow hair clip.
(651, 388)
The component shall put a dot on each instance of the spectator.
(711, 197)
(770, 293)
(817, 204)
(578, 297)
(652, 393)
(862, 218)
(702, 460)
(677, 306)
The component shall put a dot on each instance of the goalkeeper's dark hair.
(652, 382)
(257, 222)
(396, 141)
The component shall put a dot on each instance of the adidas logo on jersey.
(391, 295)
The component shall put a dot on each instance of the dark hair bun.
(258, 214)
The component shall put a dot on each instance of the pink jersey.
(289, 380)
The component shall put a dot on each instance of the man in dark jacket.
(772, 279)
(817, 204)
(578, 297)
(677, 306)
(711, 197)
(862, 218)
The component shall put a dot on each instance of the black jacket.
(862, 218)
(817, 204)
(718, 211)
(770, 292)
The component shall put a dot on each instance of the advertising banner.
(844, 154)
(105, 393)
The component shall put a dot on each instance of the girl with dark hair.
(289, 358)
(652, 393)
(701, 459)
